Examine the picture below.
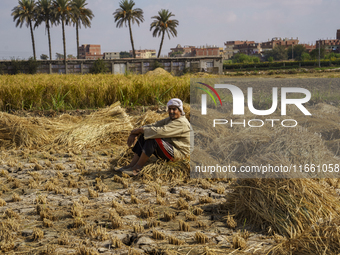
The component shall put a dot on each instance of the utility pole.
(319, 52)
(292, 51)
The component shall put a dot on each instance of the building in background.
(330, 45)
(209, 51)
(144, 53)
(278, 41)
(248, 48)
(90, 51)
(309, 47)
(111, 55)
(234, 47)
(185, 51)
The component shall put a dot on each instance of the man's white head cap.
(176, 102)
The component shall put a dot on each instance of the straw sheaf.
(167, 171)
(18, 131)
(320, 238)
(111, 124)
(148, 118)
(151, 117)
(283, 206)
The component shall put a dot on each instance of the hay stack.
(110, 125)
(323, 238)
(285, 206)
(158, 71)
(186, 108)
(168, 171)
(18, 131)
(148, 118)
(151, 117)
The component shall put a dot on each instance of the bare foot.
(123, 168)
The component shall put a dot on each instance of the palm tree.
(126, 14)
(24, 13)
(62, 9)
(44, 13)
(163, 24)
(80, 15)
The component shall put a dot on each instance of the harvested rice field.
(59, 193)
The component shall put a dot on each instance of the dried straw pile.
(109, 125)
(285, 206)
(158, 71)
(17, 131)
(148, 118)
(178, 170)
(151, 117)
(323, 238)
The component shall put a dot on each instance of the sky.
(200, 23)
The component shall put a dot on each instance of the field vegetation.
(71, 92)
(44, 92)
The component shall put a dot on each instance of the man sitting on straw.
(168, 139)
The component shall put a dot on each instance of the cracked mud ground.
(72, 202)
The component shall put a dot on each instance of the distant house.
(309, 47)
(330, 45)
(209, 51)
(90, 51)
(185, 51)
(144, 53)
(234, 47)
(111, 55)
(278, 41)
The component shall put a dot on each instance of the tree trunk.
(64, 43)
(133, 47)
(32, 36)
(160, 47)
(77, 32)
(49, 38)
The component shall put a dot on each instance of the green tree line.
(280, 53)
(298, 53)
(74, 12)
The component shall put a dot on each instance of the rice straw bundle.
(110, 125)
(18, 131)
(167, 170)
(149, 117)
(285, 206)
(321, 238)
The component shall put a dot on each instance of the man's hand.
(131, 140)
(137, 131)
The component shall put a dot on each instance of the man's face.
(174, 112)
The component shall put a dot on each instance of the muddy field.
(71, 202)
